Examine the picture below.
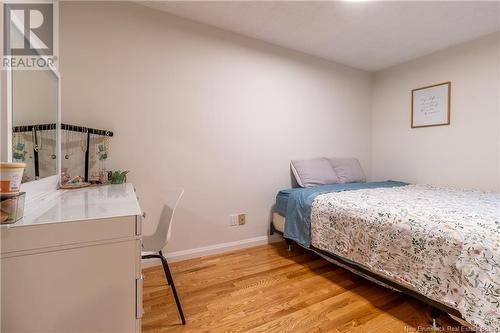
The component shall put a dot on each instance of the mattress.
(279, 222)
(442, 243)
(295, 205)
(283, 196)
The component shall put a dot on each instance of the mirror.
(34, 119)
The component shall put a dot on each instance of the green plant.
(118, 177)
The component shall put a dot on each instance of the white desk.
(72, 264)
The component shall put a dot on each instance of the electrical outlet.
(233, 221)
(242, 219)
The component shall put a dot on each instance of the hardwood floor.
(268, 289)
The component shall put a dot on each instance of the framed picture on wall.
(430, 106)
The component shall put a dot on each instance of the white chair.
(153, 245)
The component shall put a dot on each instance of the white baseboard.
(213, 249)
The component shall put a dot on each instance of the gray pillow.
(313, 172)
(348, 170)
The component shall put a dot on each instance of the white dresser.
(72, 264)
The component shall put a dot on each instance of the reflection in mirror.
(34, 118)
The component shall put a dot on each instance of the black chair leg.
(170, 281)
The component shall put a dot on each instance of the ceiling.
(369, 35)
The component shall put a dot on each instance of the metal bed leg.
(435, 315)
(289, 244)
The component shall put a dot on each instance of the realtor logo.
(28, 29)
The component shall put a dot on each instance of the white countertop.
(95, 202)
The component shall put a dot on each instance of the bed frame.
(436, 307)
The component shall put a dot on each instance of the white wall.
(216, 113)
(34, 97)
(466, 153)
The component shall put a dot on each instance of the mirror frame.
(51, 182)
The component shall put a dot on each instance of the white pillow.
(313, 172)
(348, 170)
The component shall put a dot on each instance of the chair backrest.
(161, 236)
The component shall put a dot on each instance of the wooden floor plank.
(268, 289)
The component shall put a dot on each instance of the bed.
(440, 245)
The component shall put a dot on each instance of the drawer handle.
(139, 312)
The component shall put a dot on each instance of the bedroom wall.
(216, 113)
(465, 153)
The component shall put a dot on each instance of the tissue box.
(12, 207)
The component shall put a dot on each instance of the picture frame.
(431, 105)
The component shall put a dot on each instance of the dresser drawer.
(33, 237)
(77, 289)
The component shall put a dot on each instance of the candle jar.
(12, 207)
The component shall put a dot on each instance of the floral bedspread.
(443, 243)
